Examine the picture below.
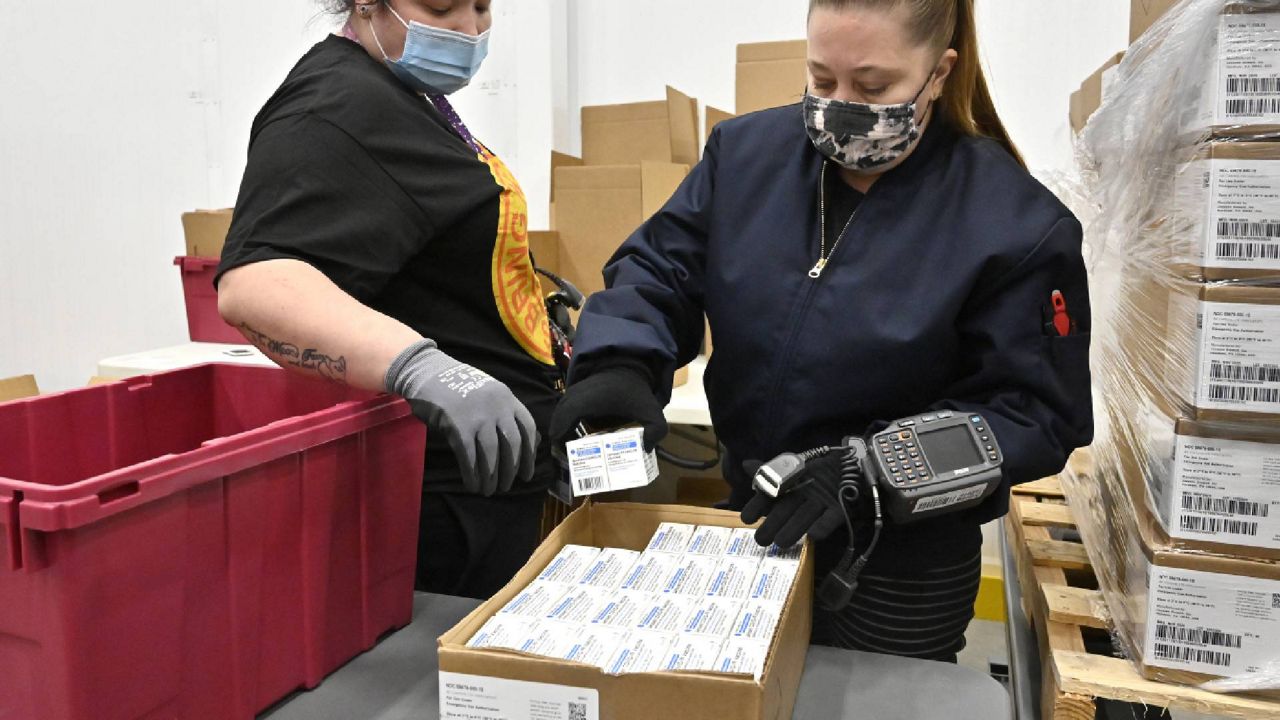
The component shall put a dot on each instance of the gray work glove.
(492, 434)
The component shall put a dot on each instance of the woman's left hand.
(813, 508)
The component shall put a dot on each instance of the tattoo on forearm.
(328, 367)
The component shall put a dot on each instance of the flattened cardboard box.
(206, 232)
(683, 695)
(771, 74)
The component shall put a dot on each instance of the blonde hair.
(944, 24)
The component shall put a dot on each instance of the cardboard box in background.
(771, 74)
(1088, 98)
(17, 388)
(597, 208)
(1144, 13)
(715, 116)
(558, 160)
(545, 247)
(664, 131)
(685, 695)
(206, 232)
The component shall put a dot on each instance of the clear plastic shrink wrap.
(1180, 195)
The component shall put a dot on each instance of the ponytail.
(966, 101)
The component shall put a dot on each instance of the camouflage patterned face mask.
(861, 137)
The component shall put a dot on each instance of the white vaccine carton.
(609, 568)
(742, 543)
(569, 564)
(756, 621)
(591, 645)
(671, 538)
(649, 572)
(709, 540)
(578, 605)
(745, 657)
(665, 613)
(690, 576)
(502, 631)
(609, 462)
(712, 617)
(535, 600)
(623, 609)
(733, 577)
(773, 581)
(640, 652)
(689, 652)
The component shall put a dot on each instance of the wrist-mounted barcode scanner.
(916, 468)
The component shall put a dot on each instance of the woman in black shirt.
(375, 242)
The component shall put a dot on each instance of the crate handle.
(118, 493)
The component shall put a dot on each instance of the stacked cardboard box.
(1181, 515)
(770, 74)
(1089, 97)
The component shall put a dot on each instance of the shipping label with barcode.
(1239, 358)
(1243, 220)
(1248, 70)
(1211, 623)
(1225, 491)
(954, 497)
(475, 697)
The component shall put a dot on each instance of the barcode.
(1253, 85)
(1238, 393)
(577, 711)
(1253, 106)
(1196, 636)
(1248, 251)
(1275, 601)
(1224, 506)
(1197, 523)
(1244, 373)
(1186, 654)
(1246, 229)
(594, 482)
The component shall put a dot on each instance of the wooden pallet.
(1060, 598)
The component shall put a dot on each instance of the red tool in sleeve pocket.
(1061, 319)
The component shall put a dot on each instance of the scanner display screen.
(950, 449)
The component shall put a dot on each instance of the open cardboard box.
(664, 131)
(683, 695)
(18, 388)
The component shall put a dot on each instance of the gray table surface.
(397, 681)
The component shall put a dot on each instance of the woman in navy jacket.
(876, 251)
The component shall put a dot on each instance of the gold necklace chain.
(823, 255)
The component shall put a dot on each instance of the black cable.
(689, 463)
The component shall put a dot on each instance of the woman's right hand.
(491, 432)
(609, 398)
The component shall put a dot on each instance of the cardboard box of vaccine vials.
(622, 600)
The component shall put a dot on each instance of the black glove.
(813, 508)
(612, 397)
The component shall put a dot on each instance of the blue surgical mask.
(436, 61)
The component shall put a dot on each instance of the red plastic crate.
(204, 324)
(199, 543)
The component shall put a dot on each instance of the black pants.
(471, 546)
(914, 598)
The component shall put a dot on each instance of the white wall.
(113, 123)
(116, 121)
